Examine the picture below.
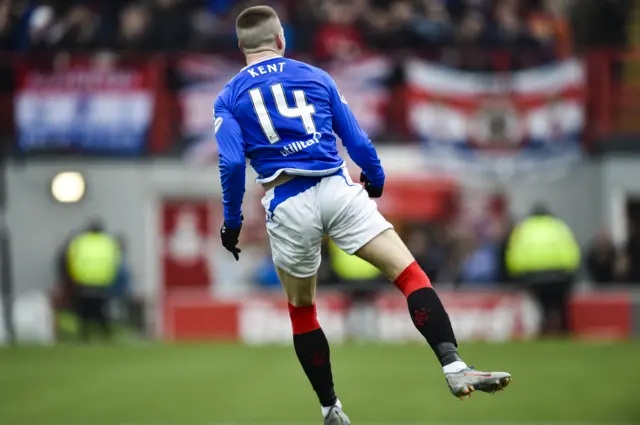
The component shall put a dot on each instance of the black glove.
(373, 191)
(230, 239)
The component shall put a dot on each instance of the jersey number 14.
(303, 110)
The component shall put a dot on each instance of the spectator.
(603, 261)
(211, 28)
(135, 32)
(435, 27)
(338, 37)
(78, 29)
(543, 257)
(472, 30)
(40, 26)
(632, 255)
(471, 34)
(456, 9)
(121, 304)
(170, 25)
(400, 25)
(7, 26)
(90, 282)
(429, 254)
(549, 26)
(456, 242)
(121, 287)
(505, 226)
(482, 266)
(508, 29)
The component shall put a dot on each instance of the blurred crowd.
(472, 253)
(462, 252)
(328, 29)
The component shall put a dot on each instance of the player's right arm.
(358, 144)
(232, 163)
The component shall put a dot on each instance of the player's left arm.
(232, 163)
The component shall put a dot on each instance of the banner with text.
(84, 109)
(498, 125)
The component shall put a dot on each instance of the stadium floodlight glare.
(68, 187)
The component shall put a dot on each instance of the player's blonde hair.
(257, 28)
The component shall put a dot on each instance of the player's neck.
(253, 58)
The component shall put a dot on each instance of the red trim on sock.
(412, 279)
(303, 319)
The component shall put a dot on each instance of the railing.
(612, 104)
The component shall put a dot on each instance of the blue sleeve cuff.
(376, 176)
(233, 222)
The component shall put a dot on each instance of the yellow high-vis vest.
(93, 259)
(542, 243)
(350, 267)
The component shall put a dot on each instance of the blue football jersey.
(281, 114)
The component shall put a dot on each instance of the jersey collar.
(262, 60)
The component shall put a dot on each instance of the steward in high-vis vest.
(543, 255)
(93, 260)
(350, 268)
(362, 283)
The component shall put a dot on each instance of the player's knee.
(397, 263)
(301, 299)
(388, 253)
(300, 291)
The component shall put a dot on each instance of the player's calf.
(309, 341)
(429, 315)
(312, 349)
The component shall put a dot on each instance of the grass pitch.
(554, 382)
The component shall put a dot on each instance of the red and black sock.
(312, 349)
(428, 313)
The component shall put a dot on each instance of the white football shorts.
(301, 210)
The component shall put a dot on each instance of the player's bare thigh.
(388, 253)
(301, 291)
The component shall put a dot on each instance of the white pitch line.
(378, 423)
(286, 422)
(391, 423)
(418, 423)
